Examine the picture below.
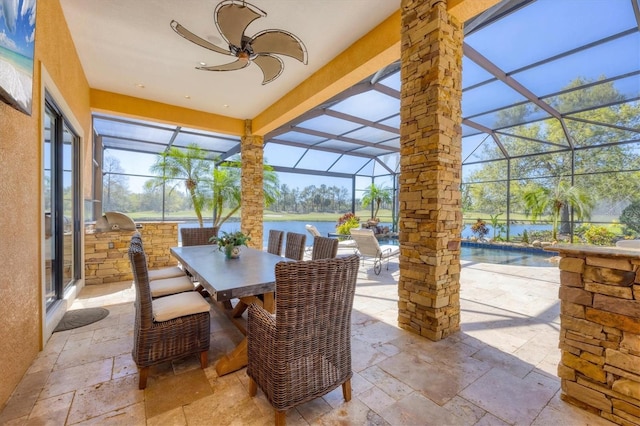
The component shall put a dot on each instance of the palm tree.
(539, 199)
(226, 185)
(189, 166)
(377, 195)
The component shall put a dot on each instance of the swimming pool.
(505, 256)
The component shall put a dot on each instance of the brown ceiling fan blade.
(197, 40)
(271, 67)
(279, 42)
(231, 66)
(233, 18)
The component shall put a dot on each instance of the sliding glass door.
(61, 204)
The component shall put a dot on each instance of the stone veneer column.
(252, 209)
(430, 169)
(600, 330)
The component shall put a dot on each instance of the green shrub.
(346, 222)
(525, 237)
(599, 236)
(630, 216)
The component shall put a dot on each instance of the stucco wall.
(20, 195)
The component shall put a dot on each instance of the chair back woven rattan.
(197, 236)
(294, 248)
(304, 351)
(324, 248)
(274, 245)
(158, 342)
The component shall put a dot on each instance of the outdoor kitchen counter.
(600, 330)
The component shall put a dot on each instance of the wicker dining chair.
(167, 328)
(324, 248)
(304, 350)
(294, 247)
(274, 245)
(197, 236)
(161, 273)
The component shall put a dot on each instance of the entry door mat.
(81, 317)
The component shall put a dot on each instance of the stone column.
(252, 208)
(430, 147)
(600, 330)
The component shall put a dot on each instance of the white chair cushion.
(169, 286)
(170, 272)
(178, 305)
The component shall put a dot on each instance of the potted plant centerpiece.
(230, 243)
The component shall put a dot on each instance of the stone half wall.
(106, 258)
(600, 331)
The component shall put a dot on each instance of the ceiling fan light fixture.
(232, 19)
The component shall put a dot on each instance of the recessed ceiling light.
(202, 64)
(187, 97)
(140, 85)
(225, 105)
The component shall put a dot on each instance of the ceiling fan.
(232, 19)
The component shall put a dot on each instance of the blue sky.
(17, 26)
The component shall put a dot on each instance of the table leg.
(237, 359)
(233, 361)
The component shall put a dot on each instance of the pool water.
(506, 257)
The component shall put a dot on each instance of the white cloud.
(7, 42)
(31, 37)
(10, 13)
(29, 7)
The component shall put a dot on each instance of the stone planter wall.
(106, 259)
(600, 331)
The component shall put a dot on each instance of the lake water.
(474, 254)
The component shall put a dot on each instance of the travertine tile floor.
(499, 369)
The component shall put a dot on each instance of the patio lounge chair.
(368, 246)
(341, 243)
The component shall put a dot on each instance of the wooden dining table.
(249, 279)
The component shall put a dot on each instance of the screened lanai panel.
(473, 74)
(126, 162)
(481, 147)
(517, 146)
(487, 172)
(392, 161)
(547, 131)
(625, 115)
(392, 81)
(599, 94)
(371, 105)
(592, 134)
(371, 134)
(208, 141)
(299, 137)
(619, 157)
(133, 130)
(487, 97)
(371, 151)
(607, 60)
(541, 166)
(543, 29)
(337, 144)
(317, 160)
(469, 131)
(392, 121)
(349, 164)
(136, 146)
(393, 143)
(328, 124)
(523, 113)
(282, 155)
